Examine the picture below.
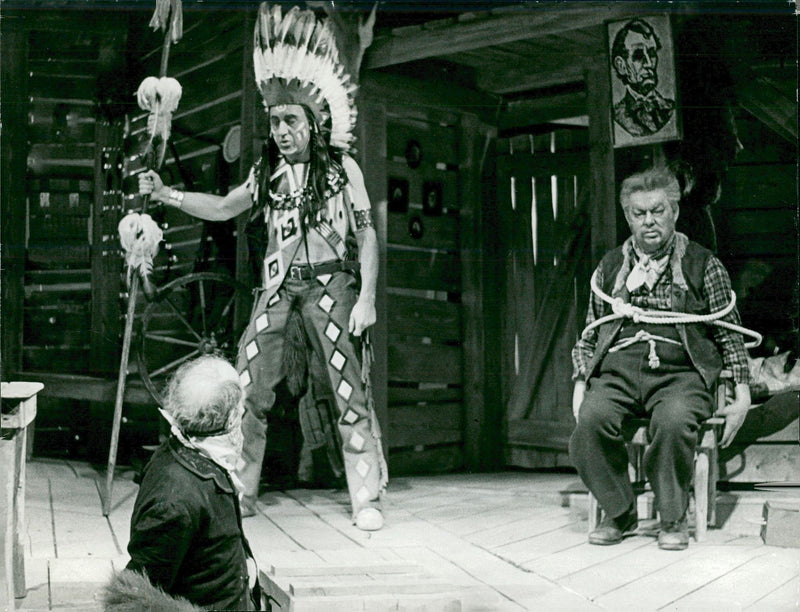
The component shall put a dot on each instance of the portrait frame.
(432, 193)
(397, 194)
(645, 107)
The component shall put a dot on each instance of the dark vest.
(696, 337)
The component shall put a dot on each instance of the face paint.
(290, 130)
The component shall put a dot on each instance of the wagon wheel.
(196, 314)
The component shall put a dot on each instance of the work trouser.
(675, 398)
(324, 304)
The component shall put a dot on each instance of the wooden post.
(18, 413)
(13, 92)
(482, 408)
(372, 159)
(602, 186)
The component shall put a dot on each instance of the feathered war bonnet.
(296, 61)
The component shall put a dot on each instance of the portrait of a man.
(644, 107)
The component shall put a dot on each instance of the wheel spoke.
(169, 340)
(223, 317)
(173, 364)
(183, 319)
(203, 306)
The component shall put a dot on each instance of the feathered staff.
(139, 234)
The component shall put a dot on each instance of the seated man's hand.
(577, 397)
(735, 413)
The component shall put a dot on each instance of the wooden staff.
(129, 316)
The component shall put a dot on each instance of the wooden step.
(300, 583)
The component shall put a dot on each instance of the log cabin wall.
(423, 269)
(68, 275)
(423, 164)
(758, 237)
(58, 284)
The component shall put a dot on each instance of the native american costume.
(302, 309)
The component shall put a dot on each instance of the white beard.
(225, 449)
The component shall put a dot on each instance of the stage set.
(493, 139)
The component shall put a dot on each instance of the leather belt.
(308, 271)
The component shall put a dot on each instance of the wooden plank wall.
(757, 235)
(60, 186)
(207, 62)
(13, 89)
(64, 328)
(540, 174)
(425, 428)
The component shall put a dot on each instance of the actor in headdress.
(311, 233)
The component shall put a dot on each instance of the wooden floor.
(510, 541)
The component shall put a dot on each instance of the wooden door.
(544, 235)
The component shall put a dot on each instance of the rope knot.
(652, 358)
(626, 310)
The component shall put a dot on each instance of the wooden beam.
(767, 103)
(480, 285)
(542, 110)
(498, 27)
(86, 388)
(527, 78)
(13, 164)
(67, 19)
(372, 159)
(249, 149)
(442, 96)
(472, 237)
(602, 187)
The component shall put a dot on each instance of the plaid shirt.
(716, 289)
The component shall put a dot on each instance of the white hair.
(202, 394)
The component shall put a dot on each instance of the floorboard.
(660, 587)
(786, 597)
(744, 585)
(478, 542)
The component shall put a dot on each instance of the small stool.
(18, 412)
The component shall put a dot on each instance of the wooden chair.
(706, 464)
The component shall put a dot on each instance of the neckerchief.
(648, 268)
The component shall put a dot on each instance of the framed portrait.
(413, 154)
(644, 94)
(432, 204)
(398, 195)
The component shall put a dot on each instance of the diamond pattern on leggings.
(332, 331)
(244, 378)
(338, 360)
(362, 467)
(273, 300)
(350, 416)
(324, 279)
(362, 494)
(326, 303)
(262, 322)
(345, 390)
(251, 350)
(357, 441)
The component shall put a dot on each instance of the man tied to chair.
(625, 367)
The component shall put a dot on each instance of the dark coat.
(186, 530)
